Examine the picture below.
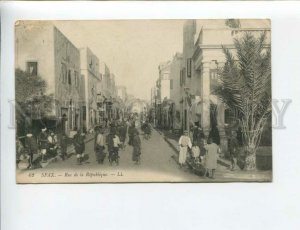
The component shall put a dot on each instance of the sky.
(132, 49)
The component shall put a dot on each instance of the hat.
(29, 135)
(44, 129)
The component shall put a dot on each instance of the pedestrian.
(31, 148)
(131, 130)
(79, 146)
(184, 144)
(136, 143)
(43, 143)
(147, 130)
(233, 149)
(63, 146)
(100, 145)
(113, 144)
(122, 134)
(117, 144)
(211, 157)
(52, 144)
(201, 141)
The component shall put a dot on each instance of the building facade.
(164, 80)
(163, 85)
(105, 78)
(43, 50)
(175, 91)
(91, 87)
(200, 63)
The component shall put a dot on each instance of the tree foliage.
(28, 86)
(233, 23)
(31, 100)
(246, 87)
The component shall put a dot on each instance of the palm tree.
(246, 88)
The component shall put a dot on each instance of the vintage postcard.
(121, 101)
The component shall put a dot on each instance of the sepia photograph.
(143, 101)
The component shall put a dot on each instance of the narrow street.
(157, 165)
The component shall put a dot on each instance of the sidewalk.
(170, 139)
(224, 172)
(172, 143)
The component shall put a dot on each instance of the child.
(196, 153)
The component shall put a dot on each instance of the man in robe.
(184, 144)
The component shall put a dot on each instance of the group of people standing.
(206, 150)
(115, 140)
(47, 145)
(201, 150)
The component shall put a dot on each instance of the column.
(205, 93)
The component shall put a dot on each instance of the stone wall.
(34, 43)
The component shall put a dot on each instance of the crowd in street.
(194, 148)
(35, 151)
(115, 140)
